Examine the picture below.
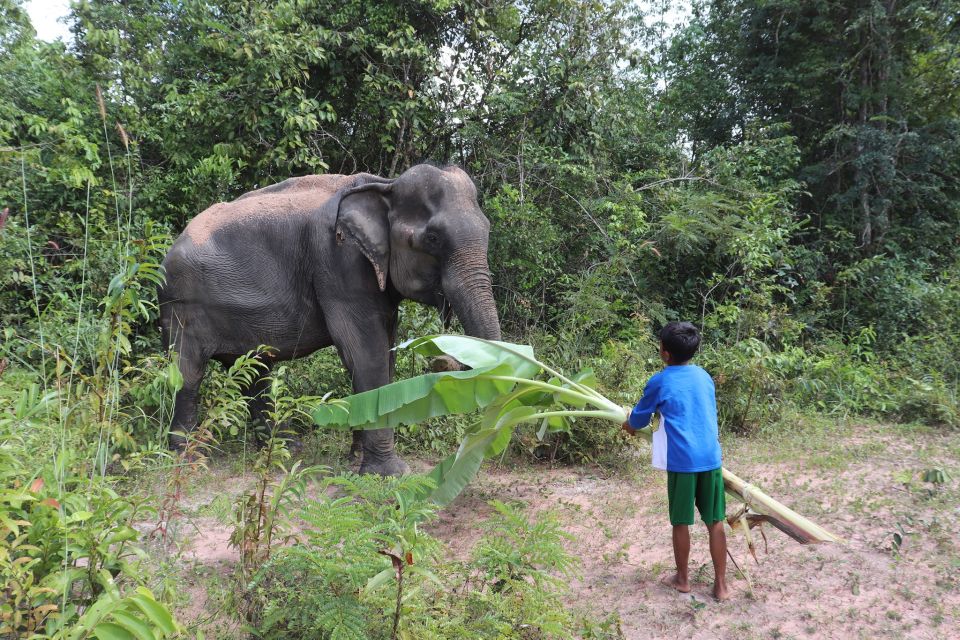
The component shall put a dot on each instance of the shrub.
(511, 586)
(364, 568)
(749, 384)
(334, 582)
(67, 547)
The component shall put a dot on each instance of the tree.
(850, 79)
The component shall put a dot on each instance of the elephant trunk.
(467, 286)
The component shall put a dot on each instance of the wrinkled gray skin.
(325, 260)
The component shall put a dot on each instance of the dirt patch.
(863, 589)
(210, 544)
(870, 587)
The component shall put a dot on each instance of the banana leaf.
(502, 383)
(435, 394)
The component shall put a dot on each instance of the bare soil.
(864, 483)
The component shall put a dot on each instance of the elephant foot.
(176, 442)
(355, 456)
(181, 452)
(389, 466)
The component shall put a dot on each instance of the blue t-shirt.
(687, 440)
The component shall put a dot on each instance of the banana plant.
(505, 382)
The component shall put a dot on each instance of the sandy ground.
(864, 485)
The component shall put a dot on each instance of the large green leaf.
(501, 382)
(490, 439)
(155, 611)
(140, 629)
(111, 631)
(435, 394)
(456, 471)
(477, 352)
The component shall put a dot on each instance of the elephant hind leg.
(192, 367)
(258, 402)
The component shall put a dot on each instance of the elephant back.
(292, 197)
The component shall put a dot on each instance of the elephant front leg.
(356, 447)
(380, 456)
(365, 352)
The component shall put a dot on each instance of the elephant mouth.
(446, 310)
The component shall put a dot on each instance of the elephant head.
(426, 237)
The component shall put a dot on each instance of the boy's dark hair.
(680, 339)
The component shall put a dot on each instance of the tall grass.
(59, 436)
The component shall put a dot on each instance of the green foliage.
(850, 81)
(225, 408)
(341, 579)
(749, 383)
(517, 551)
(755, 384)
(240, 95)
(511, 586)
(262, 518)
(337, 581)
(67, 543)
(136, 616)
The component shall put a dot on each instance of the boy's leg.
(681, 554)
(711, 502)
(718, 552)
(681, 490)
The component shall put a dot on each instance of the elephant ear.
(362, 217)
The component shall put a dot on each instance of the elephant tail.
(163, 324)
(165, 317)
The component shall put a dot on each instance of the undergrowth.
(363, 567)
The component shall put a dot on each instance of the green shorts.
(705, 489)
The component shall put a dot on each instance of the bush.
(67, 546)
(334, 583)
(364, 568)
(749, 384)
(511, 587)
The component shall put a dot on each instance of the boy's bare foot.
(674, 582)
(721, 592)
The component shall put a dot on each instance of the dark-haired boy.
(687, 446)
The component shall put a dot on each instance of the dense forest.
(783, 173)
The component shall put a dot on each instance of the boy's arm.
(641, 414)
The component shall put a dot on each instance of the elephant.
(325, 260)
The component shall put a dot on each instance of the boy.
(686, 445)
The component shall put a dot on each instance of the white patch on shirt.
(660, 446)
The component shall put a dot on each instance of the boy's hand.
(626, 427)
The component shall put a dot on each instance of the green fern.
(517, 549)
(342, 619)
(340, 580)
(509, 587)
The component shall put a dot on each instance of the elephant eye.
(431, 239)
